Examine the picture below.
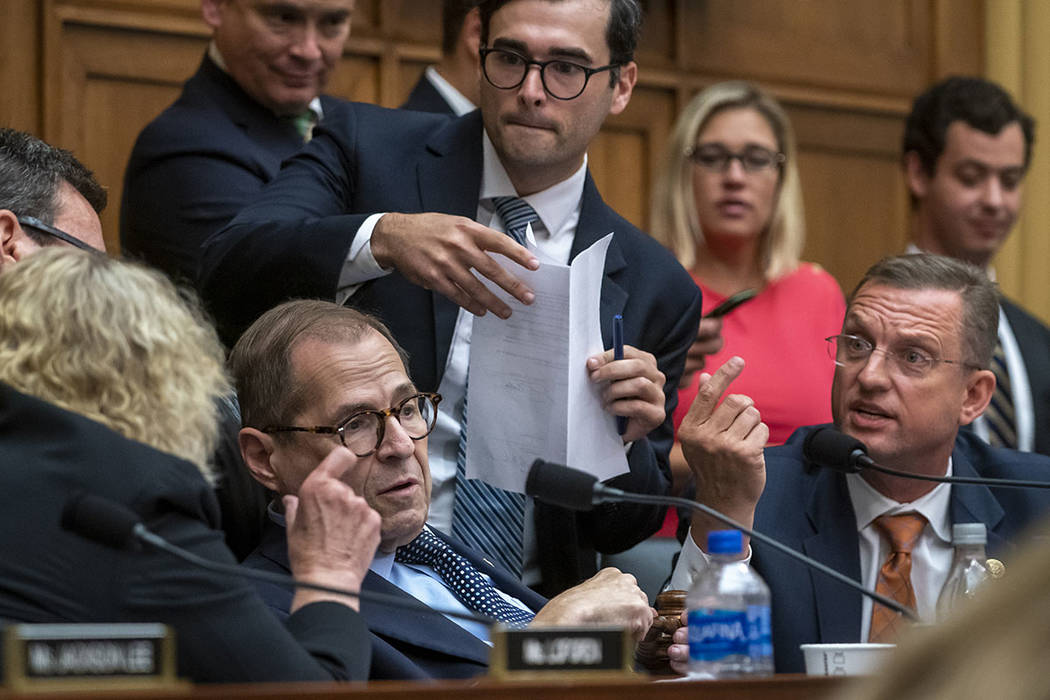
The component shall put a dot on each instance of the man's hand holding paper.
(633, 388)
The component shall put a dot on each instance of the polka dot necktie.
(902, 532)
(467, 583)
(486, 517)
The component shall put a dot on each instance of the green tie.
(304, 123)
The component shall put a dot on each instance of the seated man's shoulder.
(1002, 463)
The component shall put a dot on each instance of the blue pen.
(621, 421)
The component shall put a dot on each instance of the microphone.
(115, 525)
(828, 447)
(571, 488)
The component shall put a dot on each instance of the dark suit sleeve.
(172, 204)
(224, 632)
(291, 241)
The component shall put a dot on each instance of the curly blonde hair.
(673, 219)
(116, 342)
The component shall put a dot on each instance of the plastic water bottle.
(969, 570)
(729, 624)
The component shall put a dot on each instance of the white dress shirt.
(455, 99)
(931, 556)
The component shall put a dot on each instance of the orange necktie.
(894, 580)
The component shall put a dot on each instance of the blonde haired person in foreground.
(93, 352)
(997, 647)
(117, 344)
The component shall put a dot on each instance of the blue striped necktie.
(489, 519)
(464, 580)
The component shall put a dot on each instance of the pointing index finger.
(336, 464)
(713, 389)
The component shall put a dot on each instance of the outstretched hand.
(723, 444)
(441, 252)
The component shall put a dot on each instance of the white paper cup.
(844, 659)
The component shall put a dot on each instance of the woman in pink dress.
(728, 203)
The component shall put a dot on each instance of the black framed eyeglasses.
(851, 350)
(563, 80)
(38, 225)
(362, 433)
(716, 158)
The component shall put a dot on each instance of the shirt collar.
(456, 100)
(553, 205)
(217, 59)
(869, 504)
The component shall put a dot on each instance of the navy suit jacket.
(195, 166)
(406, 643)
(425, 98)
(809, 509)
(223, 632)
(292, 241)
(1033, 337)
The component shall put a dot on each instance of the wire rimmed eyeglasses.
(851, 350)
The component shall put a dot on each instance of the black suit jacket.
(195, 166)
(224, 633)
(809, 509)
(292, 241)
(425, 98)
(1033, 337)
(406, 644)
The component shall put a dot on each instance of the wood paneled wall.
(89, 74)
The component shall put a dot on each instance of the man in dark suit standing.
(313, 374)
(354, 216)
(911, 369)
(451, 86)
(966, 150)
(250, 105)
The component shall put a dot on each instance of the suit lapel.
(455, 148)
(429, 630)
(834, 543)
(975, 504)
(262, 126)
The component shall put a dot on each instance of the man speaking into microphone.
(911, 369)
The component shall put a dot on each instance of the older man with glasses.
(912, 368)
(402, 214)
(313, 375)
(47, 197)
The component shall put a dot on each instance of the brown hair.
(261, 365)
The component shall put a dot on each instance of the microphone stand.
(603, 492)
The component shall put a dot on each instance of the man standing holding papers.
(353, 216)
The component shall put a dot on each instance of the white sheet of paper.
(528, 376)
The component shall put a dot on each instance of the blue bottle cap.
(725, 542)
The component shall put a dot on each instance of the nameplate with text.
(561, 651)
(81, 656)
